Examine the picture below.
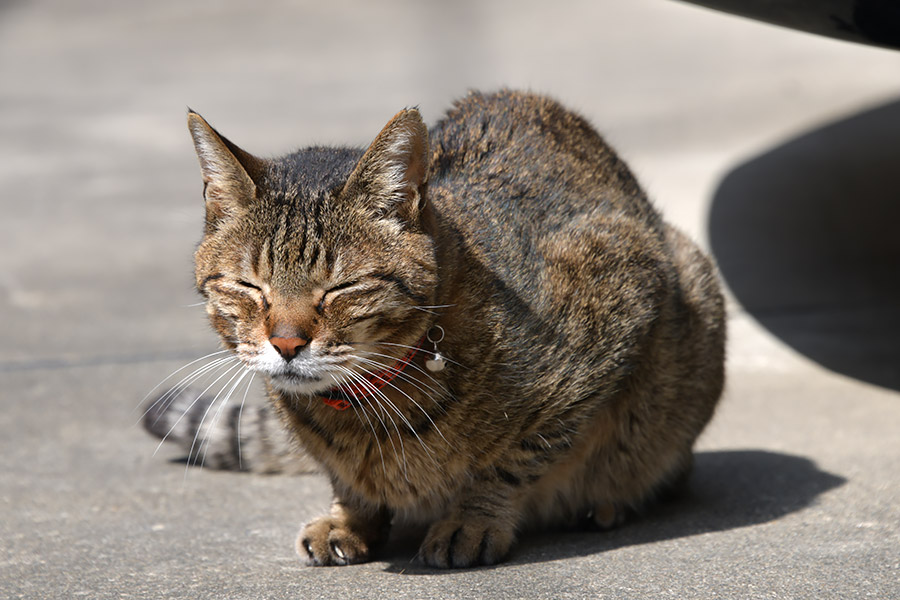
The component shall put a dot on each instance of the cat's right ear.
(228, 172)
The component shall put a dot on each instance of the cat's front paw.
(466, 542)
(330, 541)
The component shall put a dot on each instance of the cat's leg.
(345, 536)
(606, 515)
(620, 494)
(480, 527)
(538, 481)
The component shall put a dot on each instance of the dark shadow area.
(874, 22)
(728, 489)
(807, 238)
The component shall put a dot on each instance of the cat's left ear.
(391, 175)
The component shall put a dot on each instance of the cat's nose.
(287, 347)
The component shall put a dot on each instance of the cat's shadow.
(805, 235)
(728, 490)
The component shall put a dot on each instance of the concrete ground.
(777, 150)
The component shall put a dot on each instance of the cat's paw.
(466, 542)
(329, 541)
(606, 516)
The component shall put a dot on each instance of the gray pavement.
(777, 150)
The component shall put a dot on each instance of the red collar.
(341, 397)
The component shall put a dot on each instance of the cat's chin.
(300, 384)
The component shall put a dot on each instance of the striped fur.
(584, 335)
(243, 438)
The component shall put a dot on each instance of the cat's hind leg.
(606, 515)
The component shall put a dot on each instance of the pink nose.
(287, 347)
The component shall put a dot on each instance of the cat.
(485, 327)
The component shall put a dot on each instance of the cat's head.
(317, 264)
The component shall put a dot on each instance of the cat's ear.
(391, 175)
(228, 172)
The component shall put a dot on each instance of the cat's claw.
(329, 542)
(458, 543)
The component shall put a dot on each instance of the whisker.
(427, 390)
(166, 399)
(179, 370)
(416, 384)
(350, 373)
(197, 433)
(381, 394)
(201, 450)
(438, 392)
(241, 374)
(370, 386)
(376, 395)
(374, 389)
(441, 389)
(240, 417)
(341, 380)
(177, 421)
(360, 382)
(432, 353)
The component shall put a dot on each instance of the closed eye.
(247, 284)
(367, 285)
(356, 287)
(255, 288)
(343, 286)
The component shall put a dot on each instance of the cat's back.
(517, 158)
(525, 184)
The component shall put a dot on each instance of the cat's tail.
(234, 437)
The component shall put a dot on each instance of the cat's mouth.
(299, 379)
(301, 375)
(302, 383)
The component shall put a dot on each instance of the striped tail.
(249, 438)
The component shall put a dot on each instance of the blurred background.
(776, 150)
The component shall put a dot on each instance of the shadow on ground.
(806, 236)
(728, 489)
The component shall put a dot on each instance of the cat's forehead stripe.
(262, 258)
(293, 251)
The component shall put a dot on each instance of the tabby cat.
(486, 327)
